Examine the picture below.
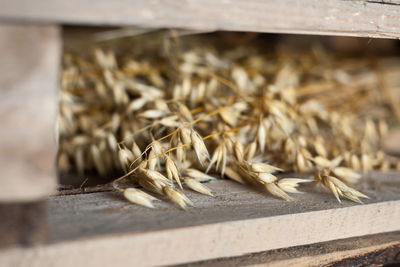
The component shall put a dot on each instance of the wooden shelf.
(373, 250)
(104, 228)
(330, 17)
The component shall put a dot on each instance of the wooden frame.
(250, 223)
(330, 17)
(29, 68)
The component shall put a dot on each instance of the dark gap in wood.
(390, 3)
(385, 256)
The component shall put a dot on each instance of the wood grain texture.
(102, 229)
(329, 17)
(29, 65)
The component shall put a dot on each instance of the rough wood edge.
(330, 17)
(210, 241)
(355, 257)
(357, 251)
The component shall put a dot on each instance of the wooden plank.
(329, 17)
(103, 229)
(23, 224)
(30, 59)
(373, 250)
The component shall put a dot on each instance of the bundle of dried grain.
(170, 120)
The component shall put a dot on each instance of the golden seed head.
(177, 197)
(197, 186)
(138, 197)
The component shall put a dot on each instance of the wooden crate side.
(328, 17)
(29, 76)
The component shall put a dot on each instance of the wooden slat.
(104, 229)
(333, 17)
(29, 65)
(373, 250)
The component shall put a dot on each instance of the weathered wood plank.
(110, 213)
(103, 229)
(23, 224)
(29, 65)
(374, 250)
(329, 17)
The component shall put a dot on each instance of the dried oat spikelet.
(112, 142)
(229, 116)
(320, 148)
(138, 197)
(136, 104)
(264, 167)
(276, 191)
(136, 151)
(157, 147)
(289, 184)
(233, 175)
(155, 186)
(126, 158)
(239, 151)
(261, 135)
(382, 128)
(184, 112)
(172, 171)
(301, 162)
(95, 152)
(366, 163)
(180, 152)
(346, 174)
(266, 177)
(79, 160)
(153, 114)
(154, 175)
(197, 186)
(198, 175)
(338, 188)
(169, 121)
(321, 162)
(199, 147)
(355, 162)
(185, 135)
(177, 197)
(251, 150)
(219, 158)
(153, 160)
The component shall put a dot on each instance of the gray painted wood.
(86, 215)
(328, 17)
(102, 229)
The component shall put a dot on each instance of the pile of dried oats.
(171, 120)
